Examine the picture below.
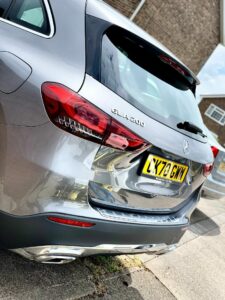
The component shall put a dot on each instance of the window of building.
(30, 14)
(216, 114)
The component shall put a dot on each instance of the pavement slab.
(196, 270)
(139, 285)
(22, 279)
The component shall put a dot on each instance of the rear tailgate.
(119, 180)
(142, 86)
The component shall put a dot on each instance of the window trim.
(50, 19)
(212, 108)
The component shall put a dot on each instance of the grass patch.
(101, 265)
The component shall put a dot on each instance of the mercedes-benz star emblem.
(186, 147)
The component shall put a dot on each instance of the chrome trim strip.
(50, 18)
(135, 218)
(59, 254)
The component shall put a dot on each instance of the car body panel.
(14, 72)
(44, 55)
(214, 186)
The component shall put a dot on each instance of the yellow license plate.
(162, 168)
(222, 167)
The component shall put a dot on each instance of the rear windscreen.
(149, 80)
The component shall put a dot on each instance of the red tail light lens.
(207, 169)
(72, 113)
(71, 222)
(215, 151)
(122, 138)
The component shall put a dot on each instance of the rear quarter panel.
(58, 59)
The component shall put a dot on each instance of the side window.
(30, 14)
(4, 5)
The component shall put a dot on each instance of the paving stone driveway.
(195, 270)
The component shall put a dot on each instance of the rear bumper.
(115, 232)
(32, 231)
(214, 188)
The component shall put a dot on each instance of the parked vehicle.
(214, 186)
(102, 142)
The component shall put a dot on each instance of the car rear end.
(129, 157)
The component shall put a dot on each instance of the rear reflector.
(71, 222)
(74, 114)
(215, 151)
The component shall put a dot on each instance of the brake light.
(215, 151)
(71, 222)
(207, 169)
(173, 64)
(74, 114)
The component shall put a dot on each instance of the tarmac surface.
(195, 270)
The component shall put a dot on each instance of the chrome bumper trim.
(57, 254)
(129, 217)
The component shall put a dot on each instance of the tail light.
(71, 222)
(207, 169)
(215, 151)
(74, 114)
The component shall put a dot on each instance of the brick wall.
(212, 125)
(189, 28)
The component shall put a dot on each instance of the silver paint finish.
(14, 72)
(215, 184)
(50, 59)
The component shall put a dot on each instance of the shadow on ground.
(201, 224)
(89, 278)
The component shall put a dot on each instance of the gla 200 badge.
(125, 116)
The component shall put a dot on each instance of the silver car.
(214, 186)
(102, 142)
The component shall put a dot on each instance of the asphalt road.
(195, 270)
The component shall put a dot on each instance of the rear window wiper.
(187, 126)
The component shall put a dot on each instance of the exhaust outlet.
(54, 260)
